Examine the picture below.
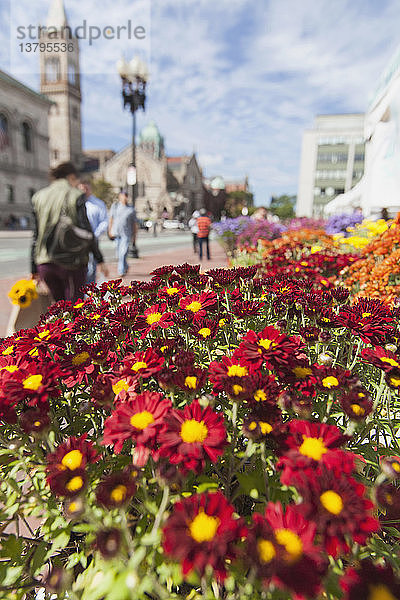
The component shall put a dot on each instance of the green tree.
(103, 190)
(283, 206)
(236, 201)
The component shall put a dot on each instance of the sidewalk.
(138, 269)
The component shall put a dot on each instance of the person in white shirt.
(194, 229)
(98, 218)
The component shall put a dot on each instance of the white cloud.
(240, 80)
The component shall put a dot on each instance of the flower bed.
(219, 435)
(377, 273)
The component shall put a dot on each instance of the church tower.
(60, 81)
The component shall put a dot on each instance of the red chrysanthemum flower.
(66, 474)
(190, 379)
(201, 532)
(370, 582)
(34, 420)
(269, 347)
(247, 308)
(330, 379)
(370, 319)
(280, 545)
(142, 364)
(138, 419)
(310, 445)
(392, 378)
(204, 329)
(44, 336)
(191, 435)
(116, 489)
(337, 504)
(230, 371)
(199, 304)
(155, 316)
(172, 293)
(357, 403)
(388, 498)
(381, 358)
(32, 382)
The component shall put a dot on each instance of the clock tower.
(60, 82)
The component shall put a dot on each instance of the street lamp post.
(134, 76)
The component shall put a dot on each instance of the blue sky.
(237, 81)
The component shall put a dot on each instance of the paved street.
(165, 249)
(15, 249)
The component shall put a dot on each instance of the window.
(55, 154)
(10, 194)
(4, 138)
(71, 74)
(332, 157)
(339, 174)
(140, 189)
(27, 136)
(359, 157)
(52, 69)
(74, 112)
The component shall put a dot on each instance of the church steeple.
(57, 17)
(60, 81)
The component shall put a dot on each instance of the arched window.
(52, 69)
(4, 136)
(27, 136)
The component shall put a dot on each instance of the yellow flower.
(23, 292)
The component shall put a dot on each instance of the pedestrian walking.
(98, 218)
(62, 235)
(194, 229)
(122, 228)
(204, 226)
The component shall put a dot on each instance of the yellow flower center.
(203, 527)
(153, 318)
(357, 410)
(139, 365)
(313, 447)
(191, 382)
(395, 381)
(142, 419)
(330, 382)
(95, 317)
(79, 305)
(72, 460)
(42, 335)
(264, 427)
(380, 592)
(34, 352)
(10, 368)
(396, 467)
(205, 332)
(194, 306)
(33, 382)
(37, 423)
(193, 431)
(80, 358)
(266, 551)
(291, 542)
(390, 361)
(172, 290)
(237, 371)
(237, 389)
(332, 502)
(260, 396)
(120, 385)
(366, 314)
(118, 494)
(74, 484)
(221, 322)
(267, 344)
(301, 372)
(8, 350)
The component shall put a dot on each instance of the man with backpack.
(204, 226)
(62, 236)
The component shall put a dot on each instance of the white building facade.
(332, 161)
(380, 185)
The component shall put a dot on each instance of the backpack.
(66, 242)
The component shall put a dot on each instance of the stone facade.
(24, 147)
(185, 184)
